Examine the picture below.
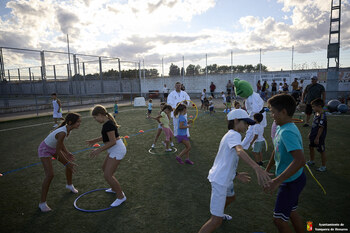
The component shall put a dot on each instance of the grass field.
(163, 196)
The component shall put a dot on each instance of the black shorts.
(166, 95)
(321, 144)
(149, 111)
(308, 109)
(228, 91)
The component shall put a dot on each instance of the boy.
(318, 133)
(228, 103)
(115, 109)
(223, 98)
(211, 105)
(149, 111)
(57, 111)
(224, 169)
(258, 141)
(289, 159)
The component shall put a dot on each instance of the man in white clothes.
(175, 97)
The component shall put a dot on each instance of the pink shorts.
(168, 133)
(45, 151)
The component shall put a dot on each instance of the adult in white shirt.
(175, 97)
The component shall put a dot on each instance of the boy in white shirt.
(224, 169)
(258, 141)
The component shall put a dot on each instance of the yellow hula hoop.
(319, 184)
(124, 140)
(193, 104)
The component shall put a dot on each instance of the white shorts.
(218, 198)
(57, 115)
(117, 151)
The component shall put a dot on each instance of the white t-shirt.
(51, 140)
(223, 98)
(225, 165)
(165, 90)
(176, 97)
(259, 130)
(203, 95)
(254, 104)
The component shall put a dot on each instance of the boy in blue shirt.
(318, 134)
(149, 109)
(289, 159)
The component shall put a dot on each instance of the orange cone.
(126, 136)
(141, 131)
(96, 145)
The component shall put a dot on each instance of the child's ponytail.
(99, 109)
(71, 118)
(179, 108)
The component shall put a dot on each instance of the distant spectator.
(285, 85)
(273, 88)
(264, 90)
(165, 93)
(203, 96)
(183, 87)
(258, 87)
(212, 89)
(280, 88)
(229, 86)
(295, 85)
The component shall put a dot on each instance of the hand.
(94, 153)
(90, 142)
(70, 156)
(317, 141)
(273, 185)
(263, 177)
(243, 177)
(190, 121)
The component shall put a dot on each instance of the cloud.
(152, 7)
(67, 20)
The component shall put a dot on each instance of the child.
(57, 109)
(53, 145)
(179, 112)
(149, 108)
(237, 105)
(115, 148)
(258, 141)
(289, 159)
(159, 130)
(280, 89)
(211, 105)
(164, 122)
(228, 103)
(203, 97)
(318, 134)
(206, 104)
(223, 98)
(115, 109)
(224, 169)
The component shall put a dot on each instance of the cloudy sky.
(150, 30)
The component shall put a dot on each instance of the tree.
(174, 70)
(248, 68)
(190, 70)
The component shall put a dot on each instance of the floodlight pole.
(260, 66)
(231, 64)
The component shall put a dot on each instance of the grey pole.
(120, 76)
(30, 80)
(260, 65)
(2, 68)
(84, 78)
(100, 65)
(19, 76)
(54, 75)
(231, 65)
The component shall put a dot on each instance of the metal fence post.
(54, 75)
(84, 78)
(101, 75)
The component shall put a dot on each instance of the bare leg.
(47, 164)
(324, 158)
(110, 166)
(308, 118)
(69, 171)
(256, 156)
(187, 149)
(312, 153)
(260, 156)
(159, 131)
(166, 144)
(282, 226)
(297, 222)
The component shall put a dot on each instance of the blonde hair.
(99, 109)
(179, 108)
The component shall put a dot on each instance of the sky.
(176, 30)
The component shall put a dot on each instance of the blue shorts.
(181, 138)
(288, 197)
(258, 146)
(321, 144)
(211, 109)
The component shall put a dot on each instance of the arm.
(182, 125)
(62, 154)
(319, 133)
(112, 141)
(157, 118)
(303, 95)
(324, 96)
(298, 162)
(91, 142)
(59, 105)
(263, 176)
(252, 142)
(271, 161)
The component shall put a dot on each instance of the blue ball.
(343, 108)
(333, 105)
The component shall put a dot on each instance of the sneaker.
(168, 150)
(44, 207)
(163, 143)
(71, 188)
(321, 169)
(153, 146)
(189, 162)
(227, 217)
(179, 160)
(118, 202)
(55, 125)
(260, 163)
(172, 144)
(306, 125)
(109, 190)
(310, 163)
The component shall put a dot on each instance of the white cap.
(240, 114)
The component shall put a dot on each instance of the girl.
(179, 112)
(159, 130)
(115, 109)
(53, 146)
(164, 122)
(115, 147)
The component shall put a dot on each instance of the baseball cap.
(314, 77)
(240, 114)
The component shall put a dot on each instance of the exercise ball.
(333, 105)
(343, 108)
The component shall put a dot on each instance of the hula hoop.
(296, 120)
(194, 105)
(124, 140)
(172, 152)
(90, 211)
(319, 184)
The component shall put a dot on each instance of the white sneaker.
(71, 188)
(56, 125)
(44, 207)
(172, 144)
(109, 190)
(153, 146)
(321, 169)
(163, 143)
(168, 150)
(118, 202)
(227, 217)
